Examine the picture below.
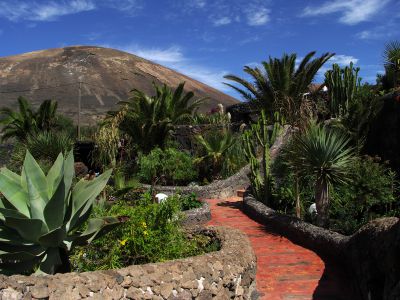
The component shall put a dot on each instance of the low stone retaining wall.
(217, 189)
(225, 274)
(197, 216)
(372, 254)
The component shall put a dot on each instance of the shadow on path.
(285, 269)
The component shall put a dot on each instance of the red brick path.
(284, 270)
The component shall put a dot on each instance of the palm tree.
(391, 57)
(215, 147)
(324, 154)
(17, 124)
(151, 119)
(278, 85)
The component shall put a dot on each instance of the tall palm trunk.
(322, 202)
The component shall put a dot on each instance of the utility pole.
(79, 109)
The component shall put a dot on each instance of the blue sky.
(206, 39)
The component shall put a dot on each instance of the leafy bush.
(152, 233)
(41, 216)
(44, 147)
(189, 202)
(169, 166)
(370, 195)
(213, 151)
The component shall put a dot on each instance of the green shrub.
(370, 195)
(152, 233)
(44, 147)
(169, 166)
(189, 202)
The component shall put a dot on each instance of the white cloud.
(174, 58)
(352, 11)
(381, 32)
(42, 11)
(257, 16)
(222, 21)
(343, 60)
(169, 55)
(50, 10)
(129, 6)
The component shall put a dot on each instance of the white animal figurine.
(313, 209)
(161, 197)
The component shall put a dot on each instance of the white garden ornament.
(161, 197)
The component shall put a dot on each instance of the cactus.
(342, 85)
(260, 174)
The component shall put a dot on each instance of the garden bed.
(217, 189)
(371, 254)
(197, 216)
(225, 274)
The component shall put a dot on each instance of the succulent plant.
(41, 217)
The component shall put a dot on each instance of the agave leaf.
(14, 194)
(55, 209)
(96, 227)
(11, 237)
(79, 217)
(36, 176)
(36, 202)
(69, 170)
(10, 174)
(21, 255)
(12, 268)
(55, 175)
(53, 238)
(50, 262)
(11, 213)
(85, 191)
(29, 229)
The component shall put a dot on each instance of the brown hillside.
(108, 76)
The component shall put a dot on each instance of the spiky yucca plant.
(41, 216)
(324, 154)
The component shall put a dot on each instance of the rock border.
(197, 216)
(225, 274)
(217, 189)
(371, 254)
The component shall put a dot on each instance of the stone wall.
(371, 255)
(197, 216)
(217, 189)
(225, 274)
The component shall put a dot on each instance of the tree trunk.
(297, 195)
(322, 202)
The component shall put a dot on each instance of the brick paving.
(285, 271)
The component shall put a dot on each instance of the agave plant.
(41, 216)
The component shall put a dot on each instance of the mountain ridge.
(107, 75)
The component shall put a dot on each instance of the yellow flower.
(123, 242)
(144, 224)
(145, 233)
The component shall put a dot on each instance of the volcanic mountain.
(106, 75)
